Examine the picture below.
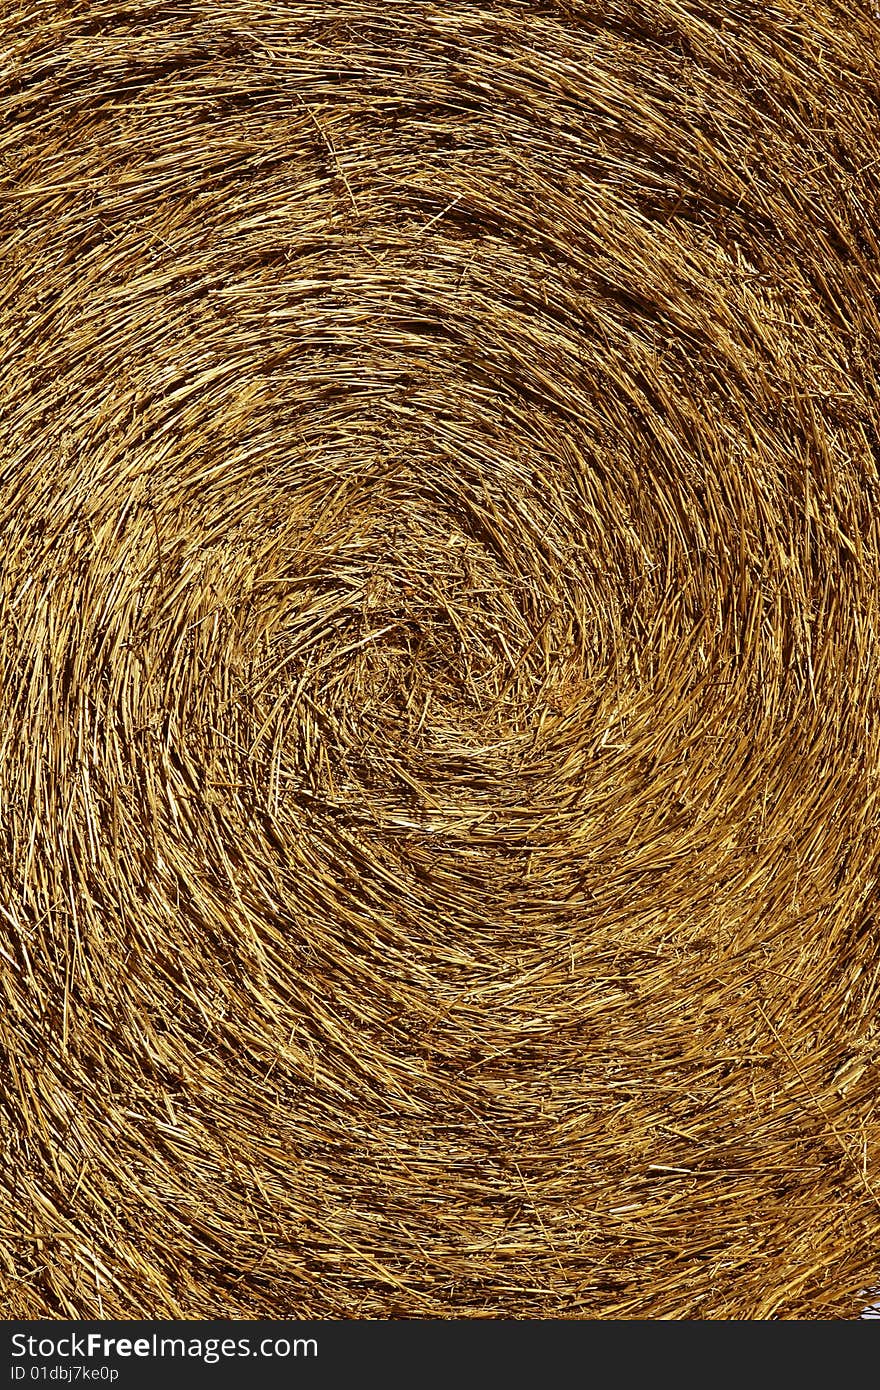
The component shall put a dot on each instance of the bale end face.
(438, 612)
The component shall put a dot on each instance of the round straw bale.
(439, 578)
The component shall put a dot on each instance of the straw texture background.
(439, 822)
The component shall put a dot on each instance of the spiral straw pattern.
(439, 823)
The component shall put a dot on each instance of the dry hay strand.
(439, 608)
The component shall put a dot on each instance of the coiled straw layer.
(439, 590)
